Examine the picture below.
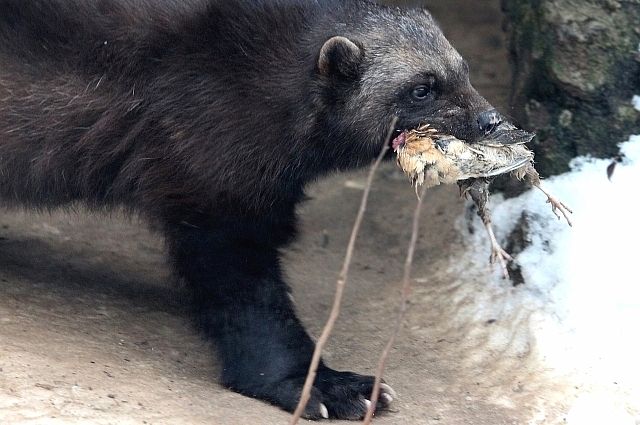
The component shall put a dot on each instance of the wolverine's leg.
(243, 304)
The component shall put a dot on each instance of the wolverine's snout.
(488, 121)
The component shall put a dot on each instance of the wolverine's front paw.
(345, 395)
(336, 395)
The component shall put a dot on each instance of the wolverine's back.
(105, 101)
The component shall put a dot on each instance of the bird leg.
(478, 189)
(556, 205)
(533, 178)
(497, 253)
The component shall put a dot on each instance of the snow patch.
(579, 308)
(636, 102)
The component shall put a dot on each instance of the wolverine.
(208, 118)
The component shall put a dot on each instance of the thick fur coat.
(209, 117)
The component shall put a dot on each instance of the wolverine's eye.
(424, 91)
(421, 92)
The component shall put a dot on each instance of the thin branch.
(404, 298)
(340, 284)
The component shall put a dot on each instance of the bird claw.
(557, 205)
(498, 255)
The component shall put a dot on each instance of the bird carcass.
(431, 158)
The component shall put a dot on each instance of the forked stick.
(404, 297)
(340, 284)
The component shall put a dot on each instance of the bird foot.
(557, 205)
(498, 255)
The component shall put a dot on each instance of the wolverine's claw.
(324, 412)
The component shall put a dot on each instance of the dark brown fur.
(208, 118)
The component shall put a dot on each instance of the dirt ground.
(93, 331)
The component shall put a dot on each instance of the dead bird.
(430, 158)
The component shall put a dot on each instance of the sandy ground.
(93, 331)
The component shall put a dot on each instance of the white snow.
(581, 295)
(636, 102)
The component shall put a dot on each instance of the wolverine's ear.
(339, 56)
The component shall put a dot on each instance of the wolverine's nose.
(488, 121)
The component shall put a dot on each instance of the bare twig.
(404, 297)
(340, 284)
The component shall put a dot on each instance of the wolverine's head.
(389, 61)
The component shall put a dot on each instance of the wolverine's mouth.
(502, 134)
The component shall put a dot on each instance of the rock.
(574, 74)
